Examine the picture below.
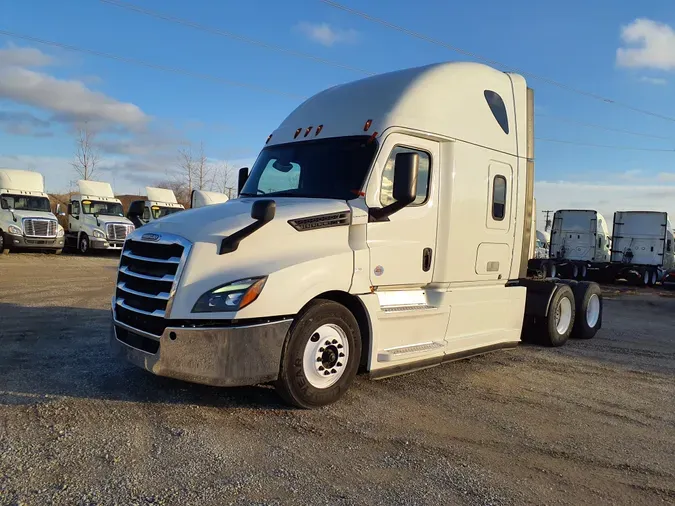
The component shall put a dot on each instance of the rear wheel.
(574, 272)
(646, 277)
(2, 243)
(588, 306)
(321, 355)
(653, 277)
(552, 270)
(560, 320)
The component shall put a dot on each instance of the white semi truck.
(201, 198)
(579, 244)
(96, 219)
(160, 202)
(385, 226)
(26, 218)
(642, 246)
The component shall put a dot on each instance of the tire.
(323, 330)
(588, 310)
(2, 242)
(583, 273)
(559, 322)
(574, 270)
(653, 277)
(645, 277)
(83, 244)
(552, 270)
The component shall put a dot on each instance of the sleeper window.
(499, 198)
(386, 194)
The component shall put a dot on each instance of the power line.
(253, 87)
(608, 146)
(247, 40)
(601, 127)
(134, 61)
(223, 33)
(493, 63)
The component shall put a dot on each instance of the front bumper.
(21, 242)
(97, 243)
(232, 356)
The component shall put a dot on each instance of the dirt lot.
(590, 423)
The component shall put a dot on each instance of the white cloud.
(650, 44)
(325, 34)
(658, 81)
(68, 101)
(605, 198)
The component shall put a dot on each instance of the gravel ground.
(590, 423)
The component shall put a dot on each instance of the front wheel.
(321, 355)
(83, 244)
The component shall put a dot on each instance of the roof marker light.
(297, 132)
(309, 129)
(366, 127)
(318, 130)
(372, 137)
(269, 139)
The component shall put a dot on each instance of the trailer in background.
(579, 246)
(642, 247)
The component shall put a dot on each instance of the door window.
(499, 198)
(387, 188)
(76, 208)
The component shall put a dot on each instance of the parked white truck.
(160, 202)
(96, 219)
(201, 198)
(642, 246)
(385, 225)
(579, 244)
(26, 218)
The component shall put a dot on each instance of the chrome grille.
(39, 227)
(147, 277)
(117, 231)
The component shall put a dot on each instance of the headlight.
(61, 232)
(230, 297)
(99, 234)
(14, 230)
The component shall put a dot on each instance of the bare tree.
(224, 180)
(86, 153)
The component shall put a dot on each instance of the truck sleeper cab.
(96, 219)
(579, 245)
(384, 226)
(160, 202)
(26, 218)
(642, 247)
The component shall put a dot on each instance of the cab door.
(402, 247)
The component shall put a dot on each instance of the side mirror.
(263, 210)
(406, 169)
(243, 177)
(70, 209)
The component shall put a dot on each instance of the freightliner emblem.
(150, 237)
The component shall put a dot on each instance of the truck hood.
(104, 220)
(213, 223)
(300, 264)
(33, 214)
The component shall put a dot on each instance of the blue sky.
(155, 112)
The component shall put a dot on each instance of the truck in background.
(160, 202)
(26, 218)
(385, 226)
(542, 240)
(201, 198)
(96, 219)
(642, 246)
(579, 244)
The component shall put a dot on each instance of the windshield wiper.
(247, 195)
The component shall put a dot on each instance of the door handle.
(426, 259)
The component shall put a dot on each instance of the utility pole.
(547, 227)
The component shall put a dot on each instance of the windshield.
(159, 212)
(328, 168)
(102, 208)
(26, 203)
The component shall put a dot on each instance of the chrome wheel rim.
(563, 315)
(593, 311)
(326, 355)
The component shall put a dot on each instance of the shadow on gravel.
(50, 352)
